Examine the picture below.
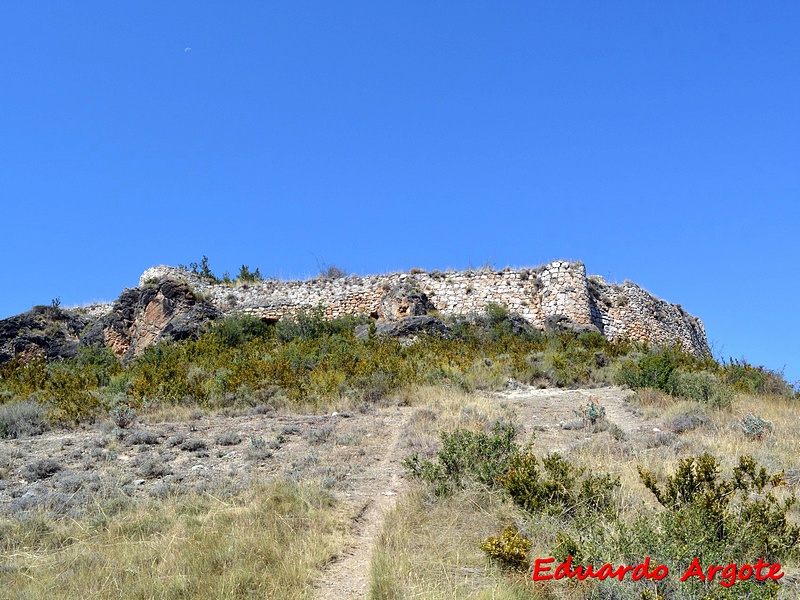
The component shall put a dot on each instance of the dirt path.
(348, 575)
(376, 491)
(542, 412)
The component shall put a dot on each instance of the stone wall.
(560, 288)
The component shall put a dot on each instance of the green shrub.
(652, 370)
(703, 513)
(750, 379)
(510, 548)
(591, 412)
(702, 386)
(204, 270)
(559, 487)
(567, 369)
(247, 276)
(754, 427)
(24, 378)
(121, 412)
(716, 519)
(70, 394)
(466, 455)
(235, 330)
(305, 325)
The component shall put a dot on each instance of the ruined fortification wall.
(560, 288)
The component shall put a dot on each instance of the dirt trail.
(542, 412)
(347, 576)
(538, 411)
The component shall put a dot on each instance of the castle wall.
(558, 288)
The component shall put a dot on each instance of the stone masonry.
(560, 288)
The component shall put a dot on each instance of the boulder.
(520, 325)
(404, 300)
(409, 326)
(561, 324)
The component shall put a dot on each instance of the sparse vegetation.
(591, 412)
(610, 495)
(266, 543)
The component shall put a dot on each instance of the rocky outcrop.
(405, 327)
(48, 331)
(405, 300)
(164, 309)
(562, 324)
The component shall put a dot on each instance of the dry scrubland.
(256, 492)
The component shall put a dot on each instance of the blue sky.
(656, 142)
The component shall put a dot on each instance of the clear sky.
(656, 142)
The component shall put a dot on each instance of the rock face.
(405, 327)
(43, 330)
(405, 300)
(560, 323)
(166, 309)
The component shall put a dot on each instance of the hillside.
(427, 435)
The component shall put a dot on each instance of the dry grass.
(268, 543)
(432, 550)
(438, 409)
(273, 540)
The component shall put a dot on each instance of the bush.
(652, 370)
(20, 419)
(467, 455)
(567, 369)
(121, 412)
(749, 379)
(305, 325)
(236, 330)
(560, 487)
(41, 469)
(203, 270)
(702, 386)
(703, 518)
(510, 548)
(247, 276)
(332, 272)
(69, 392)
(591, 412)
(754, 427)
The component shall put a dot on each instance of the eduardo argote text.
(544, 570)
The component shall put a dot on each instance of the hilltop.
(176, 303)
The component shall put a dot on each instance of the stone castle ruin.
(559, 293)
(175, 303)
